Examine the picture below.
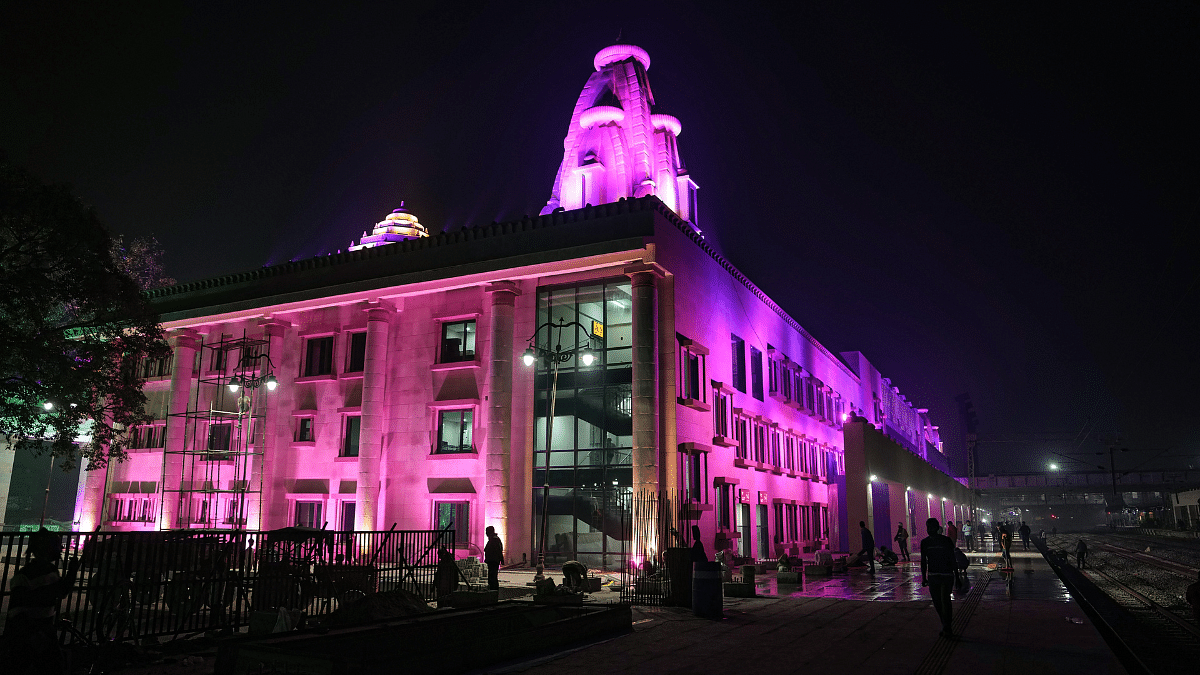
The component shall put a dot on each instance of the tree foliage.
(141, 260)
(74, 327)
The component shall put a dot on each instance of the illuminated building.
(403, 398)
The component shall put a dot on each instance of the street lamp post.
(553, 358)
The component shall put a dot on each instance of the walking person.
(1192, 595)
(901, 540)
(1006, 545)
(868, 544)
(968, 532)
(952, 531)
(1081, 554)
(1024, 530)
(493, 555)
(937, 572)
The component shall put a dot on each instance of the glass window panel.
(358, 352)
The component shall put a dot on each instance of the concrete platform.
(1022, 623)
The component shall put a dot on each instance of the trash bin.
(707, 599)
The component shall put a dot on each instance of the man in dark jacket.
(493, 555)
(937, 572)
(1024, 532)
(868, 544)
(30, 642)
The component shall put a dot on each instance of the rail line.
(1149, 559)
(1145, 606)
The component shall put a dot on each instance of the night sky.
(984, 200)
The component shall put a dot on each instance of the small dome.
(397, 226)
(600, 115)
(662, 121)
(616, 53)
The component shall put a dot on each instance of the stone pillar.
(89, 507)
(367, 515)
(497, 478)
(645, 385)
(266, 465)
(183, 363)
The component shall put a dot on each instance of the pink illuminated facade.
(402, 397)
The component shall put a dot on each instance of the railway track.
(1151, 618)
(1150, 559)
(1166, 622)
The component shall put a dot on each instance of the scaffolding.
(222, 455)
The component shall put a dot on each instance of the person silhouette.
(937, 572)
(493, 556)
(30, 640)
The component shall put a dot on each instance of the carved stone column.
(367, 515)
(183, 362)
(497, 478)
(645, 383)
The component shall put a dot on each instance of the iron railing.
(135, 585)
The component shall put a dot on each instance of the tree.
(141, 260)
(74, 327)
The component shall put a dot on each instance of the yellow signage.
(597, 329)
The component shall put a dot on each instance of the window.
(793, 529)
(219, 436)
(308, 514)
(350, 437)
(458, 341)
(147, 437)
(131, 509)
(318, 356)
(454, 431)
(725, 506)
(691, 371)
(692, 467)
(358, 353)
(232, 509)
(742, 429)
(756, 373)
(738, 362)
(304, 429)
(156, 367)
(217, 361)
(457, 516)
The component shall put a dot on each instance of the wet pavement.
(1021, 621)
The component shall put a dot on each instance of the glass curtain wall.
(590, 454)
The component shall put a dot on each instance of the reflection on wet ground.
(1031, 578)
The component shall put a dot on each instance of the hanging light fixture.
(529, 356)
(235, 384)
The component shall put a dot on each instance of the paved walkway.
(1023, 623)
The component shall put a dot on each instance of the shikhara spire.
(616, 146)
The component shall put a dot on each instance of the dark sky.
(984, 200)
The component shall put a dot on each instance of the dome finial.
(619, 41)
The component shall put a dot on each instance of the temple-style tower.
(617, 146)
(399, 225)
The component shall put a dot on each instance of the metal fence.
(655, 527)
(135, 585)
